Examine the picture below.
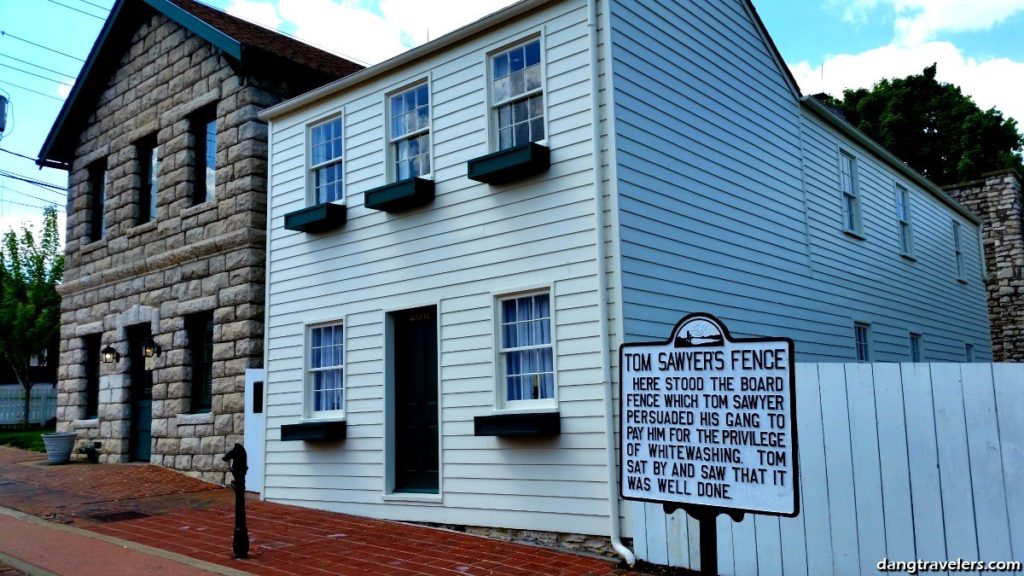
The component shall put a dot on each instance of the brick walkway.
(156, 507)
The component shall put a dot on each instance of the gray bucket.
(59, 446)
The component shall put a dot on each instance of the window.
(98, 197)
(199, 329)
(410, 132)
(327, 167)
(327, 368)
(916, 353)
(517, 95)
(903, 217)
(527, 356)
(862, 339)
(91, 345)
(148, 184)
(851, 200)
(204, 138)
(968, 352)
(958, 252)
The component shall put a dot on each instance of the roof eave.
(201, 28)
(371, 72)
(889, 158)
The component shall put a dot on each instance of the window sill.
(86, 423)
(197, 208)
(854, 234)
(413, 498)
(402, 195)
(315, 431)
(142, 228)
(93, 245)
(319, 218)
(192, 419)
(518, 424)
(510, 165)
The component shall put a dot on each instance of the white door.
(255, 428)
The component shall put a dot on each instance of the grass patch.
(24, 439)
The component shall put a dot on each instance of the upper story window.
(326, 380)
(149, 164)
(98, 197)
(199, 330)
(862, 340)
(204, 138)
(517, 95)
(916, 349)
(851, 194)
(958, 252)
(903, 218)
(527, 356)
(410, 132)
(968, 352)
(326, 162)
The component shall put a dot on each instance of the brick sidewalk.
(160, 508)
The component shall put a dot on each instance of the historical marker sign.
(708, 420)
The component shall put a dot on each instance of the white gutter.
(602, 291)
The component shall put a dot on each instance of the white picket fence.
(897, 461)
(42, 408)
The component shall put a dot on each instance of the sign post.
(708, 424)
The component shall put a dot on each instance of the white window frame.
(958, 251)
(850, 198)
(310, 412)
(394, 141)
(858, 345)
(916, 347)
(502, 404)
(311, 168)
(904, 224)
(494, 104)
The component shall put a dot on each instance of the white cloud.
(918, 21)
(262, 13)
(995, 82)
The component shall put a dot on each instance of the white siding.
(473, 242)
(713, 151)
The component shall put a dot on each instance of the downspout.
(602, 291)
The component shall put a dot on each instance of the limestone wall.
(190, 258)
(997, 199)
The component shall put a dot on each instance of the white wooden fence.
(42, 408)
(897, 461)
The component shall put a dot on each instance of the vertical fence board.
(794, 545)
(814, 509)
(986, 466)
(955, 478)
(744, 545)
(895, 468)
(867, 473)
(769, 545)
(639, 518)
(678, 544)
(929, 531)
(657, 535)
(726, 556)
(693, 540)
(842, 497)
(1009, 395)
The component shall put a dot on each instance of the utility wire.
(5, 33)
(38, 66)
(18, 155)
(6, 201)
(76, 9)
(23, 193)
(101, 7)
(24, 178)
(36, 75)
(31, 90)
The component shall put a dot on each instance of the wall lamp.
(150, 348)
(110, 355)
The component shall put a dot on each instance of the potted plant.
(59, 446)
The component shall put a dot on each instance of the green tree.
(934, 127)
(29, 302)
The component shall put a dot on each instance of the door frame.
(388, 321)
(134, 335)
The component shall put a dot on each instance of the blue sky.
(828, 44)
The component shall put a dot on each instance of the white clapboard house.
(461, 237)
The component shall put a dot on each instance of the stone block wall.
(997, 199)
(190, 258)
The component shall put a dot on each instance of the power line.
(76, 9)
(36, 75)
(24, 178)
(23, 193)
(38, 66)
(31, 90)
(18, 155)
(96, 5)
(5, 33)
(6, 201)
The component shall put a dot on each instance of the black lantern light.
(110, 355)
(150, 348)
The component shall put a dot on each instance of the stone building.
(996, 197)
(165, 254)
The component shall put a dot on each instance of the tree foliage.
(29, 302)
(934, 127)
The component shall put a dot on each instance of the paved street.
(129, 519)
